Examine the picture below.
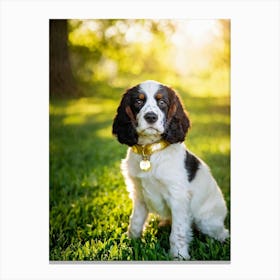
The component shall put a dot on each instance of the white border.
(255, 138)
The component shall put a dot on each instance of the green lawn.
(89, 204)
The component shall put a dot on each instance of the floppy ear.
(178, 122)
(125, 122)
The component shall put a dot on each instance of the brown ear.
(178, 122)
(124, 122)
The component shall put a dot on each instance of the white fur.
(166, 190)
(149, 133)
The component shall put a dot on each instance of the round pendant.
(145, 165)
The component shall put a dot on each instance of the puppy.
(161, 175)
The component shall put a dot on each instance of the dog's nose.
(151, 117)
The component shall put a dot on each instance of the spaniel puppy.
(161, 175)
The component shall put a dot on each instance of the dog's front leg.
(181, 232)
(137, 218)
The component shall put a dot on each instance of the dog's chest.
(155, 195)
(167, 175)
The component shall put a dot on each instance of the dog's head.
(149, 112)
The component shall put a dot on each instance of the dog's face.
(149, 112)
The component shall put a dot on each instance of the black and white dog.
(161, 175)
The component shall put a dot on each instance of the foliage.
(89, 204)
(123, 52)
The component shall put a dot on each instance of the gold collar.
(147, 150)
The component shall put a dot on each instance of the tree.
(62, 82)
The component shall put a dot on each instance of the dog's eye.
(139, 102)
(161, 103)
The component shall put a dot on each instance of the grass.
(89, 204)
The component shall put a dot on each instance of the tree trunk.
(62, 82)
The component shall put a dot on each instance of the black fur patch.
(192, 165)
(125, 122)
(177, 123)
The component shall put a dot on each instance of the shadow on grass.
(84, 158)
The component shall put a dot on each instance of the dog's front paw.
(133, 234)
(222, 235)
(179, 253)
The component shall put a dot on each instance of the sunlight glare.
(195, 32)
(136, 33)
(192, 44)
(202, 31)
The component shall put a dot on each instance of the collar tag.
(145, 164)
(146, 151)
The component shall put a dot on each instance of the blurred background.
(87, 56)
